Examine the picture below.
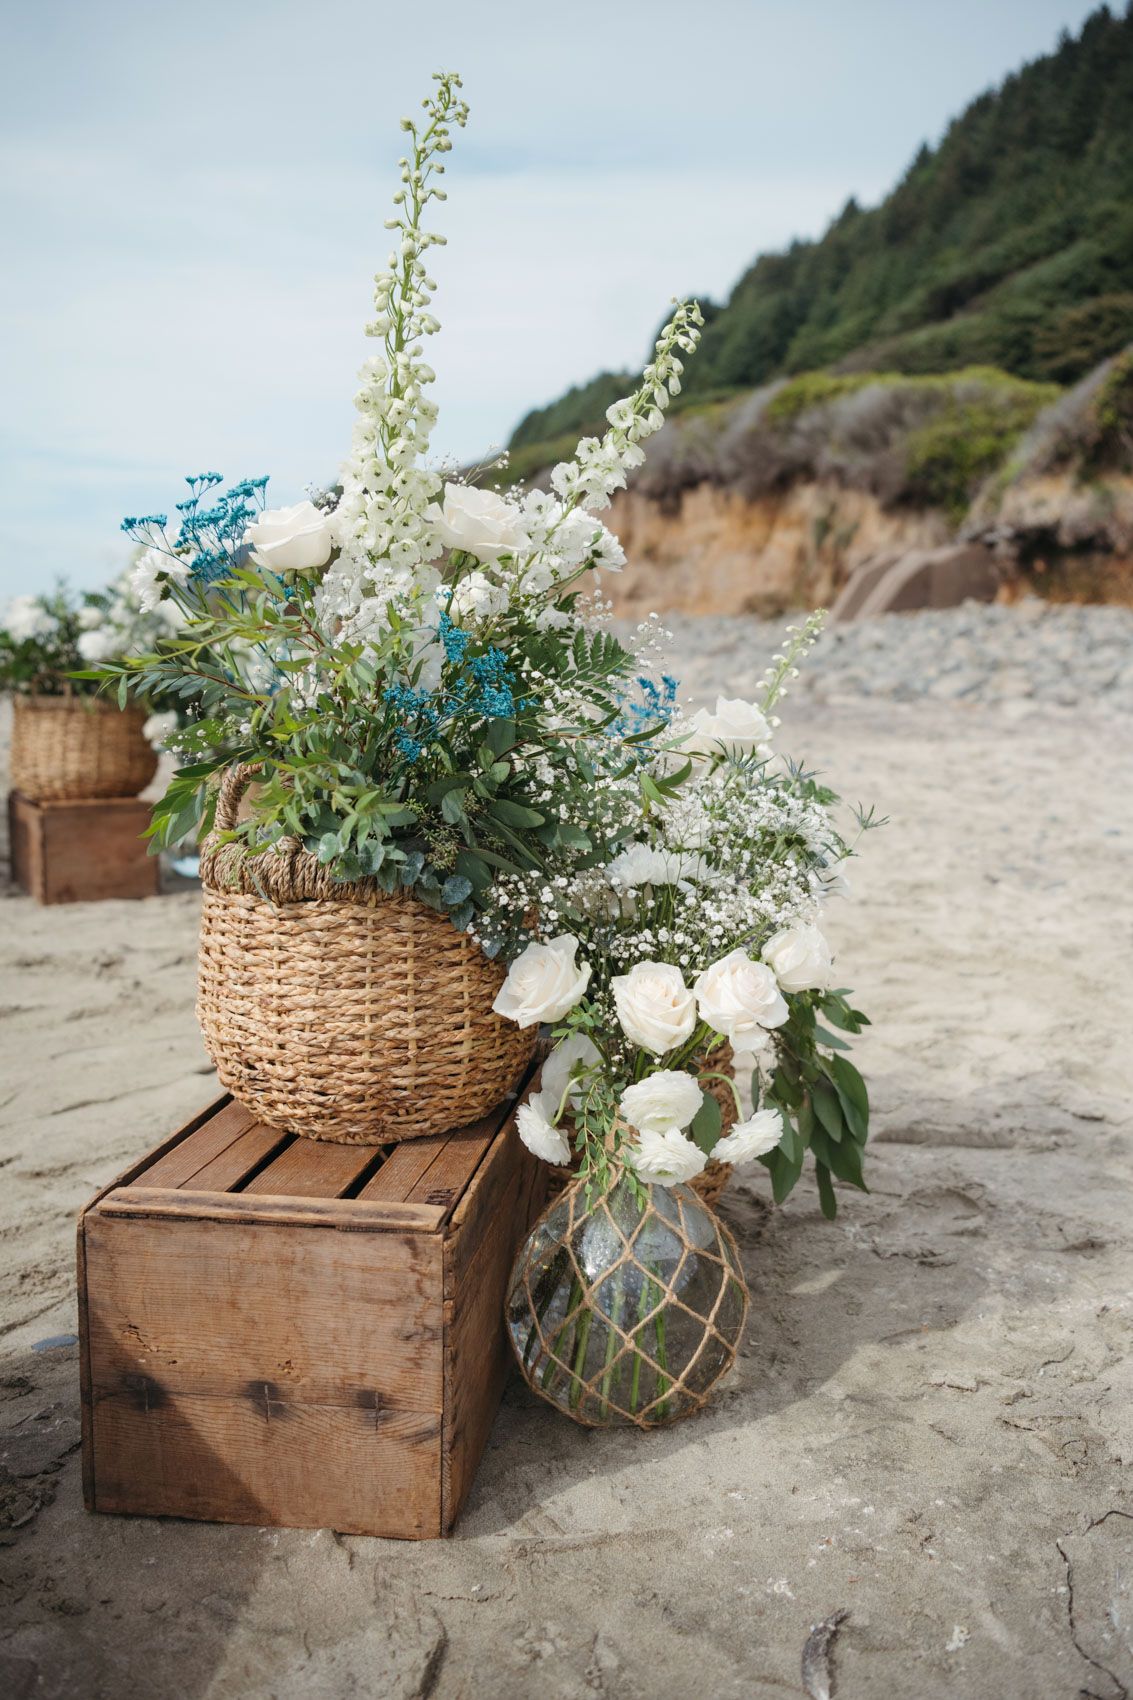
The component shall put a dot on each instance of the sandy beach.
(930, 1426)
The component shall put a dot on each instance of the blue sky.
(193, 198)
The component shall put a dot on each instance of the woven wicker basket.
(69, 748)
(339, 1013)
(710, 1184)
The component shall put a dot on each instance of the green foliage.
(947, 459)
(1010, 244)
(39, 655)
(821, 1097)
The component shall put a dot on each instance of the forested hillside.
(1010, 244)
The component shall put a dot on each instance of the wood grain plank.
(236, 1162)
(477, 1355)
(506, 1156)
(403, 1168)
(191, 1204)
(223, 1309)
(317, 1467)
(312, 1168)
(204, 1143)
(448, 1176)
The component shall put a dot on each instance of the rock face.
(715, 551)
(922, 578)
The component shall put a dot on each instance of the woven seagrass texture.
(71, 748)
(340, 1013)
(712, 1181)
(623, 1316)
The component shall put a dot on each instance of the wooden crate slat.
(199, 1147)
(477, 1356)
(453, 1167)
(236, 1162)
(224, 1463)
(403, 1168)
(178, 1305)
(189, 1204)
(313, 1169)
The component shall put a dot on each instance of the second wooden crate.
(276, 1331)
(80, 852)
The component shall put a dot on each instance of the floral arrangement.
(423, 675)
(413, 665)
(58, 644)
(703, 929)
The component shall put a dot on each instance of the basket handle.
(232, 787)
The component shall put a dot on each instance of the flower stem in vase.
(573, 1299)
(581, 1341)
(613, 1340)
(544, 1293)
(663, 1384)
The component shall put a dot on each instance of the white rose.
(297, 539)
(478, 521)
(159, 727)
(538, 1132)
(800, 959)
(737, 728)
(543, 983)
(27, 618)
(100, 645)
(655, 1007)
(661, 1101)
(751, 1139)
(477, 598)
(667, 1158)
(570, 1058)
(739, 998)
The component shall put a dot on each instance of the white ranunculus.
(740, 999)
(159, 727)
(751, 1139)
(799, 957)
(27, 618)
(570, 1058)
(98, 645)
(641, 864)
(478, 521)
(737, 728)
(543, 983)
(477, 598)
(152, 574)
(538, 1132)
(661, 1101)
(298, 539)
(667, 1158)
(655, 1007)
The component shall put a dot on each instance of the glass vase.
(624, 1313)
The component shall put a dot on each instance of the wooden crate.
(77, 852)
(275, 1331)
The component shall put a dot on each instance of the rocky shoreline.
(1059, 654)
